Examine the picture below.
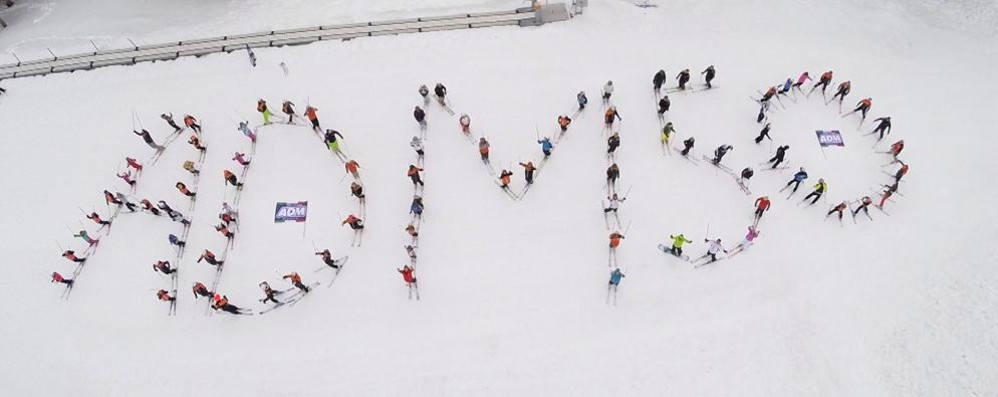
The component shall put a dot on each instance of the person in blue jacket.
(799, 177)
(581, 97)
(174, 240)
(546, 146)
(615, 277)
(417, 206)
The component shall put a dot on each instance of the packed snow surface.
(513, 293)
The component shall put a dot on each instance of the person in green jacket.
(677, 244)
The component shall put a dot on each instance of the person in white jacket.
(714, 249)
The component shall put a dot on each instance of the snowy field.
(513, 293)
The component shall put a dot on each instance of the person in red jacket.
(71, 255)
(164, 296)
(354, 222)
(823, 82)
(410, 280)
(183, 189)
(58, 278)
(838, 208)
(352, 167)
(295, 280)
(200, 290)
(209, 257)
(413, 174)
(761, 206)
(134, 164)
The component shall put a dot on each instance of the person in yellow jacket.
(677, 244)
(819, 189)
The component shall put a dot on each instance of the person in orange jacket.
(295, 280)
(615, 238)
(230, 178)
(313, 118)
(192, 123)
(823, 82)
(165, 296)
(563, 122)
(844, 88)
(413, 174)
(354, 222)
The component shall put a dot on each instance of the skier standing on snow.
(761, 206)
(127, 177)
(658, 80)
(800, 80)
(312, 117)
(416, 208)
(770, 93)
(97, 219)
(413, 174)
(785, 88)
(612, 174)
(819, 190)
(863, 106)
(546, 146)
(169, 211)
(887, 194)
(563, 122)
(332, 143)
(196, 142)
(901, 172)
(408, 276)
(883, 125)
(504, 178)
(844, 88)
(745, 243)
(165, 296)
(353, 168)
(613, 203)
(607, 92)
(230, 178)
(132, 163)
(355, 223)
(244, 128)
(221, 302)
(864, 205)
(288, 108)
(719, 153)
(441, 92)
(148, 140)
(224, 230)
(615, 276)
(528, 171)
(209, 257)
(663, 105)
(838, 208)
(896, 149)
(763, 107)
(666, 134)
(465, 122)
(612, 143)
(582, 100)
(163, 267)
(781, 152)
(147, 206)
(71, 255)
(417, 145)
(261, 106)
(823, 82)
(709, 72)
(763, 134)
(420, 115)
(712, 251)
(357, 191)
(86, 238)
(268, 293)
(799, 177)
(295, 280)
(240, 158)
(192, 123)
(327, 258)
(174, 240)
(199, 290)
(189, 167)
(747, 174)
(168, 117)
(683, 78)
(615, 238)
(424, 92)
(687, 146)
(610, 116)
(58, 278)
(483, 149)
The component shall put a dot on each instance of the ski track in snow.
(514, 291)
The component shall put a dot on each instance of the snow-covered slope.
(513, 293)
